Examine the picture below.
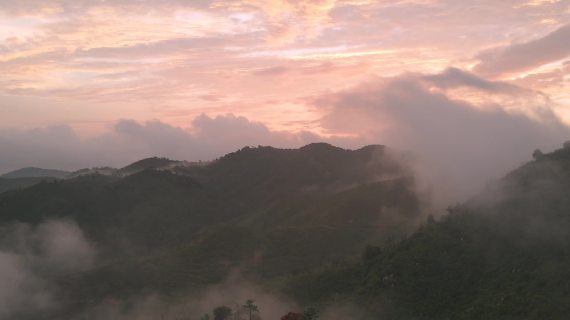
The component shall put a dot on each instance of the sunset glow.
(176, 60)
(87, 65)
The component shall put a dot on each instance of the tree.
(292, 316)
(222, 313)
(250, 308)
(205, 317)
(310, 314)
(537, 154)
(237, 314)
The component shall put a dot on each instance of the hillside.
(267, 211)
(20, 183)
(153, 163)
(504, 254)
(27, 177)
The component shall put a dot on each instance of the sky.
(101, 82)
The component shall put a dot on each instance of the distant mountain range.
(32, 172)
(26, 177)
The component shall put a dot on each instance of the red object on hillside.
(292, 316)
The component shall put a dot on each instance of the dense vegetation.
(20, 183)
(505, 254)
(168, 227)
(326, 226)
(250, 311)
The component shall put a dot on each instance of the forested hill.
(504, 254)
(167, 226)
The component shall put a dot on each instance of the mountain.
(153, 163)
(27, 177)
(504, 254)
(326, 226)
(32, 172)
(169, 226)
(104, 171)
(269, 175)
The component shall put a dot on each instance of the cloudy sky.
(92, 82)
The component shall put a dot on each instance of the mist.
(32, 258)
(459, 144)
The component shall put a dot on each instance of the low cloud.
(206, 138)
(460, 145)
(31, 258)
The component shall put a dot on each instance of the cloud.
(30, 258)
(155, 49)
(464, 138)
(54, 7)
(272, 71)
(455, 78)
(458, 142)
(51, 146)
(172, 52)
(525, 56)
(287, 21)
(551, 79)
(204, 139)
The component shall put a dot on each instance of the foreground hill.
(503, 255)
(169, 227)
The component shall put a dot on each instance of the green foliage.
(292, 316)
(20, 183)
(310, 313)
(250, 308)
(222, 313)
(505, 254)
(147, 164)
(269, 211)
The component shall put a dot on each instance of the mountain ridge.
(278, 208)
(34, 172)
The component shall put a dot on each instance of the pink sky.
(281, 72)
